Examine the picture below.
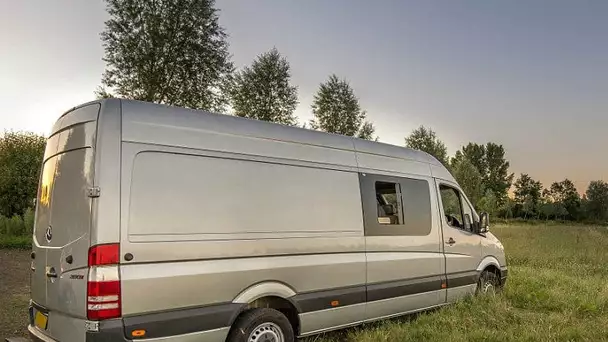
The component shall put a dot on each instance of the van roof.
(303, 135)
(157, 114)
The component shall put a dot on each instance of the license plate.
(40, 320)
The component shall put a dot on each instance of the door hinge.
(93, 192)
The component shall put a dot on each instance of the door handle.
(51, 273)
(450, 242)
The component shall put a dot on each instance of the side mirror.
(484, 222)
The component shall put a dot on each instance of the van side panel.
(225, 204)
(185, 197)
(208, 213)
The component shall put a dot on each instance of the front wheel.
(489, 283)
(261, 325)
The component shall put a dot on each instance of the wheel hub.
(488, 287)
(266, 332)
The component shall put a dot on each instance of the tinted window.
(451, 206)
(458, 213)
(388, 207)
(395, 206)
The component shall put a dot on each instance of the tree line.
(175, 52)
(483, 173)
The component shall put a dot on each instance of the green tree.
(527, 194)
(498, 178)
(507, 209)
(565, 194)
(469, 179)
(489, 203)
(546, 209)
(367, 131)
(20, 162)
(426, 140)
(476, 154)
(166, 51)
(262, 91)
(490, 161)
(336, 109)
(546, 206)
(597, 200)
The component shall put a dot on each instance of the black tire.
(253, 319)
(489, 283)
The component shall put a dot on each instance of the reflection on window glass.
(46, 183)
(388, 203)
(468, 216)
(451, 206)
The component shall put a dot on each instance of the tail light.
(103, 286)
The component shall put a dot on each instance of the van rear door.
(63, 222)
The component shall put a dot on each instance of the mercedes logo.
(49, 234)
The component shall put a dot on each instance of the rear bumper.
(206, 324)
(113, 331)
(115, 334)
(38, 336)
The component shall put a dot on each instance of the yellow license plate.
(40, 320)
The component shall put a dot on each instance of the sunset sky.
(531, 75)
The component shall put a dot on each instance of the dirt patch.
(14, 292)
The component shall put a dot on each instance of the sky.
(530, 75)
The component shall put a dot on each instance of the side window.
(388, 197)
(458, 213)
(395, 206)
(451, 206)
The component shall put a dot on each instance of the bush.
(20, 162)
(28, 221)
(15, 242)
(16, 226)
(16, 232)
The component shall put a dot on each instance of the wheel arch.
(264, 289)
(270, 294)
(489, 263)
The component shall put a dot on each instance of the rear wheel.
(261, 325)
(489, 283)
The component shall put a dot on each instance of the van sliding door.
(404, 258)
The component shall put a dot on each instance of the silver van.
(156, 223)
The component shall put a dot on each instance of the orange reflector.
(334, 303)
(138, 333)
(444, 285)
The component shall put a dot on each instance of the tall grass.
(557, 291)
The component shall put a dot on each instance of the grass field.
(557, 291)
